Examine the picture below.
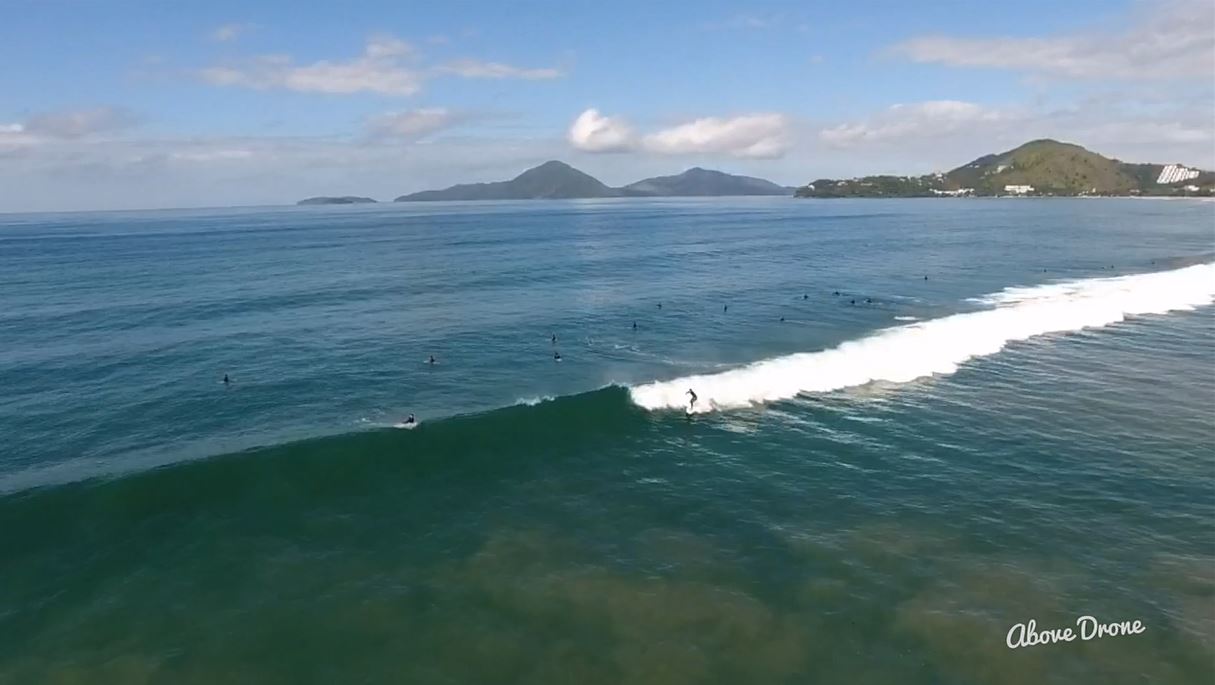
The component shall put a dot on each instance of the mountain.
(697, 182)
(1048, 167)
(551, 180)
(342, 200)
(558, 180)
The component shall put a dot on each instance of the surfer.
(805, 296)
(410, 420)
(836, 293)
(868, 300)
(660, 305)
(725, 308)
(782, 319)
(432, 361)
(554, 338)
(634, 325)
(691, 402)
(556, 356)
(227, 381)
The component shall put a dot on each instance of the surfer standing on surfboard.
(691, 402)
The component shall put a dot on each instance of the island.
(558, 180)
(339, 200)
(1038, 168)
(697, 182)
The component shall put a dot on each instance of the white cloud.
(384, 46)
(230, 32)
(593, 132)
(471, 68)
(66, 125)
(921, 120)
(380, 69)
(745, 22)
(386, 67)
(13, 136)
(759, 136)
(411, 124)
(1173, 40)
(939, 135)
(217, 155)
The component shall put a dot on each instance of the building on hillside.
(1174, 173)
(1018, 189)
(954, 193)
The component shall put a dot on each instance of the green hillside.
(1049, 166)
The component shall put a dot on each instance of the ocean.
(918, 424)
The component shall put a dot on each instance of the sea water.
(918, 424)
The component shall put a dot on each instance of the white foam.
(938, 346)
(533, 401)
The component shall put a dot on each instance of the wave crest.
(938, 346)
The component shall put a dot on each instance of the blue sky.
(142, 104)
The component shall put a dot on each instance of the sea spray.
(938, 346)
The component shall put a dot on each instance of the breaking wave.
(938, 346)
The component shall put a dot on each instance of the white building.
(1174, 173)
(954, 193)
(1018, 189)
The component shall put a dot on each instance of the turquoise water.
(912, 467)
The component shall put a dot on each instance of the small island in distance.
(339, 200)
(1038, 168)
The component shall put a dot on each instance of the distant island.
(341, 200)
(1038, 168)
(558, 180)
(697, 182)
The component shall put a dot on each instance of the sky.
(119, 104)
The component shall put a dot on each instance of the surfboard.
(407, 426)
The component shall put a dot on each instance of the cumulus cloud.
(932, 119)
(594, 132)
(380, 69)
(65, 125)
(387, 66)
(759, 136)
(13, 136)
(230, 32)
(755, 136)
(411, 124)
(1173, 40)
(471, 68)
(216, 155)
(936, 135)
